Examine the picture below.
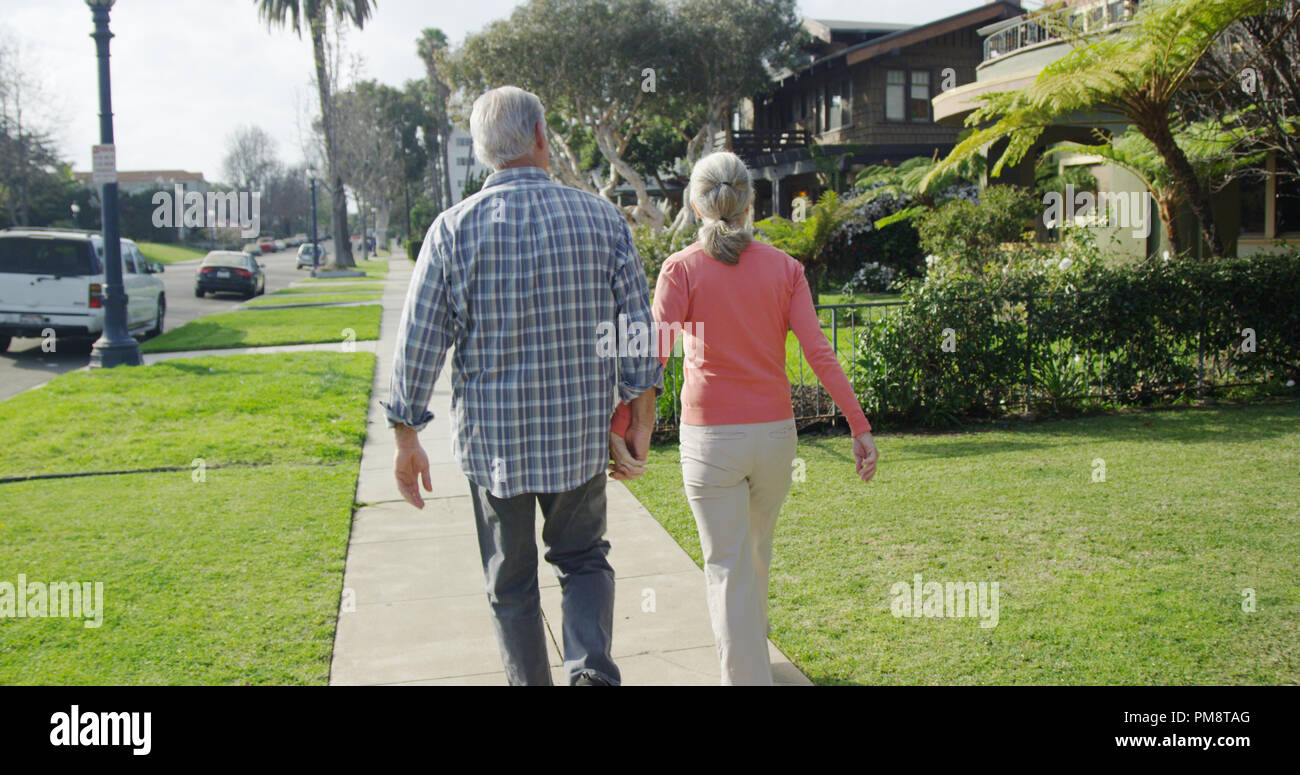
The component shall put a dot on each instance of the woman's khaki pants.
(737, 477)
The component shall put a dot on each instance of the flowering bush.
(871, 278)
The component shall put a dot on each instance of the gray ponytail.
(721, 190)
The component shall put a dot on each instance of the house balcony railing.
(749, 144)
(1087, 18)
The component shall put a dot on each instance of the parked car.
(53, 279)
(296, 240)
(253, 248)
(279, 245)
(305, 256)
(266, 244)
(230, 271)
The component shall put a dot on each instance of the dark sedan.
(229, 271)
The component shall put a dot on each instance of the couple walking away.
(519, 279)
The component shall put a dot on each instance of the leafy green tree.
(1248, 80)
(612, 71)
(592, 62)
(723, 51)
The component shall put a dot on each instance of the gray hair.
(502, 124)
(721, 189)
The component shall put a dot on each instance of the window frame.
(902, 119)
(929, 95)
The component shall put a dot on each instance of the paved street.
(25, 366)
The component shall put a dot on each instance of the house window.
(464, 142)
(1253, 208)
(838, 104)
(1287, 207)
(918, 106)
(895, 85)
(846, 103)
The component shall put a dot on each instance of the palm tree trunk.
(1158, 133)
(338, 193)
(444, 139)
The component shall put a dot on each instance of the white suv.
(53, 279)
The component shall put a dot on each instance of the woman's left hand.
(865, 455)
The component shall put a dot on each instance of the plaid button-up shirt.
(520, 278)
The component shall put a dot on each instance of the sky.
(188, 73)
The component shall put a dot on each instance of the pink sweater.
(736, 318)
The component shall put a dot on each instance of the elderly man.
(520, 277)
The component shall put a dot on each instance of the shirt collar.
(516, 174)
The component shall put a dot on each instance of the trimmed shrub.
(973, 233)
(1054, 335)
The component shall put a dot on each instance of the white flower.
(1290, 383)
(1065, 264)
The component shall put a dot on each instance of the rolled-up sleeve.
(427, 330)
(643, 371)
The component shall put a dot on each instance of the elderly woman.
(734, 299)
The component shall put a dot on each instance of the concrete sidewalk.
(414, 609)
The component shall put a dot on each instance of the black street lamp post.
(315, 249)
(115, 347)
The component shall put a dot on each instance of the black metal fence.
(811, 401)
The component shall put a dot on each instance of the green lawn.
(332, 298)
(1138, 579)
(262, 328)
(169, 254)
(796, 366)
(234, 579)
(339, 288)
(229, 409)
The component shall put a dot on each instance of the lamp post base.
(107, 353)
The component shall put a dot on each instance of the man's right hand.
(411, 466)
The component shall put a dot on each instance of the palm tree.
(431, 45)
(1135, 71)
(315, 13)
